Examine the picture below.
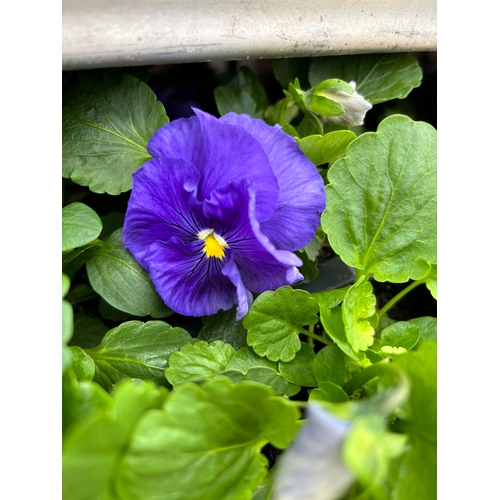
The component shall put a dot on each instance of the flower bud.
(355, 106)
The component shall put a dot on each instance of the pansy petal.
(230, 154)
(244, 296)
(302, 196)
(189, 282)
(313, 466)
(261, 266)
(179, 139)
(162, 205)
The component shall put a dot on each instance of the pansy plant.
(199, 317)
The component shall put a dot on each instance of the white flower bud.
(354, 105)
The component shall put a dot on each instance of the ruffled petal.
(244, 296)
(190, 283)
(179, 139)
(261, 266)
(302, 196)
(230, 154)
(162, 205)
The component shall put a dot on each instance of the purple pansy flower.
(218, 211)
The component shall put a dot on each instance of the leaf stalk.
(398, 297)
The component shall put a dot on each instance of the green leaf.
(332, 322)
(414, 475)
(80, 293)
(82, 365)
(80, 399)
(137, 350)
(358, 306)
(119, 279)
(328, 148)
(286, 71)
(73, 260)
(197, 361)
(300, 370)
(328, 391)
(332, 84)
(246, 358)
(401, 334)
(67, 330)
(202, 360)
(306, 128)
(67, 321)
(329, 365)
(80, 225)
(431, 281)
(331, 298)
(427, 326)
(243, 94)
(323, 106)
(231, 99)
(378, 77)
(420, 411)
(107, 123)
(107, 311)
(111, 223)
(205, 442)
(312, 248)
(88, 331)
(309, 267)
(264, 375)
(275, 321)
(381, 201)
(272, 113)
(223, 326)
(265, 489)
(369, 450)
(92, 449)
(66, 284)
(247, 80)
(373, 356)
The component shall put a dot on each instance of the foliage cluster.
(160, 406)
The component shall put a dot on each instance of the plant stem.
(282, 113)
(314, 336)
(398, 297)
(315, 120)
(364, 375)
(358, 275)
(310, 340)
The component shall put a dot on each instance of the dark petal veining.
(162, 205)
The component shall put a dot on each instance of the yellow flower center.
(214, 244)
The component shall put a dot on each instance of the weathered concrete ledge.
(112, 33)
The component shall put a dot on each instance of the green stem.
(317, 337)
(310, 340)
(282, 113)
(358, 275)
(367, 374)
(398, 297)
(316, 121)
